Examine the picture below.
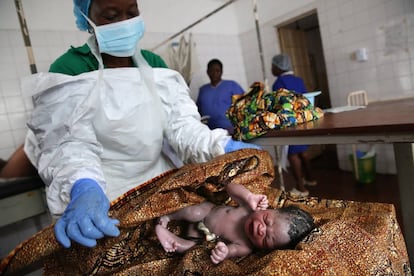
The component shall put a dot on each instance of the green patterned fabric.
(254, 113)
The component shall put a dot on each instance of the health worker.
(100, 117)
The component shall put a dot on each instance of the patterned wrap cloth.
(351, 238)
(255, 112)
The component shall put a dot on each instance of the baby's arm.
(244, 197)
(223, 251)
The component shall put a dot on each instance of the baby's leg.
(194, 213)
(170, 242)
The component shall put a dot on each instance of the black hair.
(213, 62)
(300, 224)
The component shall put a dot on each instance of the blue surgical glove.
(233, 145)
(86, 217)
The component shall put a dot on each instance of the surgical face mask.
(119, 39)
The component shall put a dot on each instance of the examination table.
(21, 198)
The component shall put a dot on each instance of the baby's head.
(278, 228)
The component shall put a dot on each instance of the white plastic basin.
(311, 96)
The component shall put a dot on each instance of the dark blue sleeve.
(237, 89)
(278, 84)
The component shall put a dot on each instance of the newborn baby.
(244, 228)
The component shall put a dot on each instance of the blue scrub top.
(214, 102)
(290, 82)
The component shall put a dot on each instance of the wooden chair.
(357, 98)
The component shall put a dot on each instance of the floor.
(336, 184)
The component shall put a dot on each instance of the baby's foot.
(166, 241)
(170, 242)
(257, 202)
(163, 221)
(263, 204)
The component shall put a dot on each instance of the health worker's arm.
(192, 140)
(68, 149)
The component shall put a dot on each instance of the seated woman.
(247, 227)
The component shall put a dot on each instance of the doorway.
(301, 39)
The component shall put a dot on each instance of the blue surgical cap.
(282, 61)
(81, 6)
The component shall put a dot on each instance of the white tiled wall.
(14, 64)
(12, 106)
(384, 27)
(206, 47)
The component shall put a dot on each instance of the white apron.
(113, 134)
(109, 125)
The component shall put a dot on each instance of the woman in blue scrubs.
(214, 98)
(297, 154)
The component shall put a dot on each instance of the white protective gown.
(109, 126)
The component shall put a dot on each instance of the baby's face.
(267, 229)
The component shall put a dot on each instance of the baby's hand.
(163, 221)
(219, 253)
(258, 202)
